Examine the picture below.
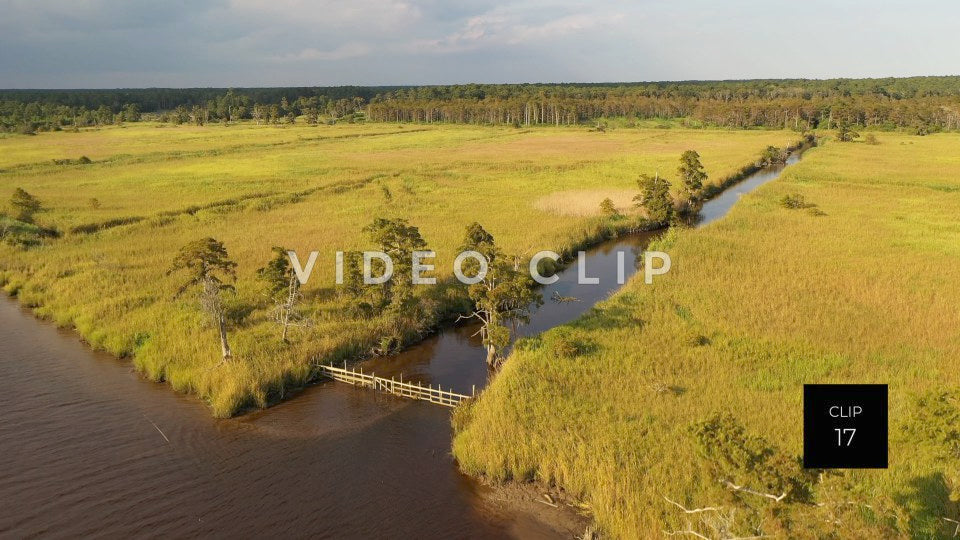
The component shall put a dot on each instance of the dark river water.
(88, 448)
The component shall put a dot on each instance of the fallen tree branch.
(721, 523)
(695, 510)
(688, 531)
(744, 489)
(698, 535)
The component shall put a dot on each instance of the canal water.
(88, 448)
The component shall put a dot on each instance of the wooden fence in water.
(447, 398)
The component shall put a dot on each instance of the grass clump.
(794, 201)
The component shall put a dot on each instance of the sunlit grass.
(866, 293)
(111, 285)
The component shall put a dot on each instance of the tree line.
(923, 104)
(165, 99)
(231, 106)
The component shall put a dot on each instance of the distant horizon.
(532, 83)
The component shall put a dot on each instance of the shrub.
(794, 201)
(609, 209)
(739, 458)
(936, 421)
(25, 205)
(845, 133)
(564, 345)
(772, 156)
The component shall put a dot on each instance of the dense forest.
(921, 104)
(28, 111)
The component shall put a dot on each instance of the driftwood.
(162, 434)
(743, 489)
(560, 299)
(719, 520)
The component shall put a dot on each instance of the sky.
(239, 43)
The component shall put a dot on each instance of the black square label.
(845, 426)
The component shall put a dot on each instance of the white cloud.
(581, 22)
(343, 52)
(500, 27)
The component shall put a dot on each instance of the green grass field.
(305, 188)
(756, 305)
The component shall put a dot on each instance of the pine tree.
(282, 288)
(208, 266)
(692, 174)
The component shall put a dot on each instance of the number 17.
(843, 432)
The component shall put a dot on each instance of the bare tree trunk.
(491, 355)
(224, 346)
(292, 290)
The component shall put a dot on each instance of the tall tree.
(283, 288)
(406, 314)
(692, 174)
(654, 198)
(399, 240)
(502, 300)
(208, 267)
(24, 205)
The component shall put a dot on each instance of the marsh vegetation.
(683, 414)
(251, 188)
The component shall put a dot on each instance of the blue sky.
(135, 43)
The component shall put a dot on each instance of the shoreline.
(596, 231)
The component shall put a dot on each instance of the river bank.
(111, 286)
(525, 488)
